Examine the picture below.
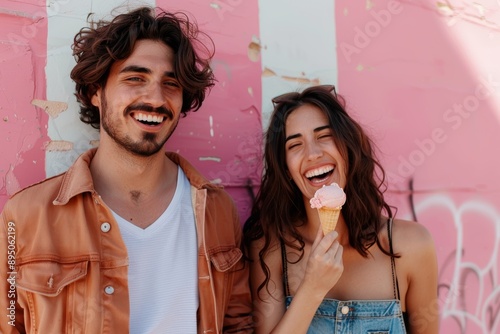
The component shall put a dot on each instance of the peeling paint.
(216, 181)
(445, 8)
(301, 80)
(210, 159)
(17, 13)
(58, 145)
(23, 36)
(267, 72)
(211, 123)
(215, 5)
(480, 8)
(53, 108)
(12, 184)
(475, 13)
(254, 49)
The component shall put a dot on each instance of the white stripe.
(297, 41)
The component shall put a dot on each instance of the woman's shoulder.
(271, 250)
(411, 238)
(412, 230)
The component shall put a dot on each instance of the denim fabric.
(357, 317)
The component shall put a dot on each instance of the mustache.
(149, 108)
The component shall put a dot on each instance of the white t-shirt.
(163, 268)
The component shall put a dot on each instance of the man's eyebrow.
(141, 69)
(300, 135)
(135, 68)
(169, 74)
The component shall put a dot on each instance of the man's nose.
(154, 95)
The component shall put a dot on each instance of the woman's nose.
(313, 151)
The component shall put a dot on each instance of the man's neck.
(137, 188)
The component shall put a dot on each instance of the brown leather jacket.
(63, 263)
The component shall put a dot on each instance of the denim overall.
(356, 316)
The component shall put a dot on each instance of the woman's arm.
(323, 270)
(421, 298)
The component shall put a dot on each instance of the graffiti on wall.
(469, 289)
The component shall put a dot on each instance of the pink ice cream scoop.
(331, 196)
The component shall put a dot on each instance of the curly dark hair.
(97, 47)
(279, 206)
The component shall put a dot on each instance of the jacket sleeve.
(238, 317)
(12, 317)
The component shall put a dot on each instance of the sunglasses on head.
(292, 96)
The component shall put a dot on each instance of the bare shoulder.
(417, 269)
(272, 253)
(413, 242)
(266, 273)
(410, 234)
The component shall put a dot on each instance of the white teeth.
(148, 118)
(319, 171)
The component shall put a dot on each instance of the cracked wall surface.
(23, 127)
(422, 76)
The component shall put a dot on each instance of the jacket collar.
(195, 178)
(78, 178)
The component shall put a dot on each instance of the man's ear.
(96, 99)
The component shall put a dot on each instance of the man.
(130, 238)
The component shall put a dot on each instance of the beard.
(148, 145)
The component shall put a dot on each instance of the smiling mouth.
(148, 119)
(320, 174)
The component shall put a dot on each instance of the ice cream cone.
(328, 218)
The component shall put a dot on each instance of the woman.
(374, 273)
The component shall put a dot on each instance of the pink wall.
(422, 76)
(223, 139)
(23, 31)
(425, 77)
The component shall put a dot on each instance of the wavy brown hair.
(97, 47)
(279, 206)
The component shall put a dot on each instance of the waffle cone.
(328, 218)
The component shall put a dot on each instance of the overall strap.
(284, 261)
(395, 283)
